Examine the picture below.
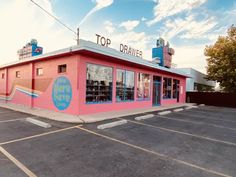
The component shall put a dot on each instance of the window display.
(167, 88)
(124, 85)
(143, 88)
(175, 88)
(98, 84)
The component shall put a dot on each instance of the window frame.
(143, 87)
(111, 87)
(59, 69)
(17, 74)
(125, 71)
(175, 83)
(167, 88)
(38, 73)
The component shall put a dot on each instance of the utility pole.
(77, 36)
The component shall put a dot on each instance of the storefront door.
(156, 93)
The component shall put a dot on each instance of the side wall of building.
(50, 90)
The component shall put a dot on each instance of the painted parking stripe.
(111, 124)
(196, 122)
(184, 133)
(17, 163)
(38, 135)
(206, 117)
(219, 109)
(11, 120)
(162, 156)
(6, 112)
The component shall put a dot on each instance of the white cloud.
(143, 19)
(21, 21)
(109, 27)
(169, 8)
(189, 28)
(136, 40)
(100, 4)
(190, 57)
(130, 24)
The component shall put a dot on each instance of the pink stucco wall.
(50, 72)
(76, 74)
(104, 107)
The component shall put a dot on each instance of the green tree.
(221, 60)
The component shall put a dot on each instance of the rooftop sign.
(123, 48)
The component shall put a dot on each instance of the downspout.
(32, 84)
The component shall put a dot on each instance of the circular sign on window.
(62, 93)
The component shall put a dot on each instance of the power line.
(55, 18)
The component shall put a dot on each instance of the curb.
(144, 117)
(178, 110)
(164, 113)
(112, 124)
(38, 122)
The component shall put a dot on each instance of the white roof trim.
(93, 47)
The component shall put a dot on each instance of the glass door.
(156, 93)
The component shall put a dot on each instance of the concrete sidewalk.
(62, 117)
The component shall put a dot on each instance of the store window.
(17, 74)
(175, 88)
(39, 71)
(98, 84)
(167, 88)
(124, 85)
(62, 68)
(143, 87)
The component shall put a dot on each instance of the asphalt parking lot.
(197, 142)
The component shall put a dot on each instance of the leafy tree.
(221, 60)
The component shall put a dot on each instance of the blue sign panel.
(62, 93)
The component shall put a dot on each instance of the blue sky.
(188, 25)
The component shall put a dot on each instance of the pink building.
(90, 78)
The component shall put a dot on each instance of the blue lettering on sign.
(62, 93)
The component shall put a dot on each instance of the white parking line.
(196, 122)
(6, 112)
(205, 117)
(184, 133)
(17, 163)
(162, 156)
(38, 135)
(11, 120)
